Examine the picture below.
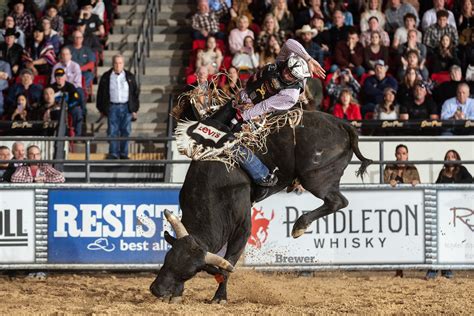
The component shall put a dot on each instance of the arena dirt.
(250, 292)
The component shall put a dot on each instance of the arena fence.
(95, 226)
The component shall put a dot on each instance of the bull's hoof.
(299, 228)
(176, 300)
(219, 301)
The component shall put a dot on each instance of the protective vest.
(267, 82)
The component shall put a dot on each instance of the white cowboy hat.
(307, 29)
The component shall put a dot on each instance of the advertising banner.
(109, 226)
(456, 226)
(380, 226)
(17, 219)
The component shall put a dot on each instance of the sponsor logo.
(12, 231)
(463, 215)
(386, 124)
(434, 123)
(209, 132)
(260, 225)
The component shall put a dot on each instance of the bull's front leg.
(235, 248)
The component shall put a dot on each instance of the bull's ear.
(170, 239)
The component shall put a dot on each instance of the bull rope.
(253, 134)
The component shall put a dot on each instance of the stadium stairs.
(164, 76)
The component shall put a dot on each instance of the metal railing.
(88, 162)
(137, 63)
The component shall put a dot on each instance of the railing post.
(88, 166)
(381, 159)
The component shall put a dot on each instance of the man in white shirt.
(429, 18)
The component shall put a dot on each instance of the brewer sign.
(456, 226)
(17, 243)
(109, 226)
(376, 227)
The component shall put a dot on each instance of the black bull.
(216, 203)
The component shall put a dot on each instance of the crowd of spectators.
(51, 49)
(385, 59)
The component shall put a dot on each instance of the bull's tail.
(354, 138)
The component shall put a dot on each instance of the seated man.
(460, 107)
(36, 172)
(273, 87)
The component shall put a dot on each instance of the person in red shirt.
(346, 108)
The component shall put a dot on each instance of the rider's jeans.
(250, 163)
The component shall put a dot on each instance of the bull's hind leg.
(333, 202)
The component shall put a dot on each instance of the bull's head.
(182, 262)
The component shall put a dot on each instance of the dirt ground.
(250, 292)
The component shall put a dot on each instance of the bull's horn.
(178, 227)
(216, 260)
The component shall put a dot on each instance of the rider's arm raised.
(292, 46)
(284, 100)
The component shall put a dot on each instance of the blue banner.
(109, 226)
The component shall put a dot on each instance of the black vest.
(266, 82)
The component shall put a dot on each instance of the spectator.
(90, 39)
(349, 54)
(304, 16)
(9, 23)
(248, 59)
(98, 8)
(375, 51)
(413, 43)
(93, 23)
(26, 87)
(5, 154)
(338, 32)
(259, 9)
(18, 150)
(434, 33)
(330, 6)
(118, 99)
(57, 21)
(395, 12)
(10, 51)
(342, 79)
(465, 20)
(50, 107)
(451, 173)
(422, 107)
(270, 52)
(215, 5)
(35, 171)
(72, 69)
(270, 27)
(39, 56)
(405, 89)
(444, 56)
(205, 22)
(5, 75)
(283, 16)
(448, 89)
(210, 57)
(401, 173)
(84, 56)
(373, 8)
(388, 109)
(66, 91)
(20, 113)
(412, 60)
(51, 35)
(459, 108)
(401, 34)
(23, 20)
(237, 9)
(67, 9)
(346, 108)
(306, 33)
(321, 38)
(232, 84)
(237, 35)
(430, 16)
(374, 26)
(374, 87)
